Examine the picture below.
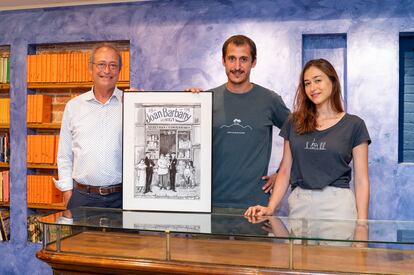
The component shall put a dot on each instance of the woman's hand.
(361, 234)
(258, 210)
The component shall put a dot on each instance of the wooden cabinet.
(104, 241)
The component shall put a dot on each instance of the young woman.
(320, 142)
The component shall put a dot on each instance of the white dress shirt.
(90, 144)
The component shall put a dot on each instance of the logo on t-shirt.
(315, 145)
(237, 128)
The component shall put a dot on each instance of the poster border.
(205, 99)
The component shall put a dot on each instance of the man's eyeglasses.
(102, 66)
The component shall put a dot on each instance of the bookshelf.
(4, 140)
(57, 73)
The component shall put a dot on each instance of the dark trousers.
(81, 198)
(148, 181)
(172, 180)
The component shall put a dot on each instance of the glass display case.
(108, 240)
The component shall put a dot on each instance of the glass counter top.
(371, 231)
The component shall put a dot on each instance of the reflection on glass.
(4, 225)
(317, 230)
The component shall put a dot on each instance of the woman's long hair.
(304, 110)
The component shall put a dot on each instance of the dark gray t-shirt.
(242, 142)
(322, 158)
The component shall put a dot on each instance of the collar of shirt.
(90, 96)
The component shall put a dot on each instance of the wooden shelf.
(35, 125)
(44, 125)
(67, 85)
(53, 206)
(32, 166)
(41, 166)
(4, 87)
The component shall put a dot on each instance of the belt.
(101, 190)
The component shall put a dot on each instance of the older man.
(90, 148)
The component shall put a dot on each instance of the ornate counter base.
(95, 252)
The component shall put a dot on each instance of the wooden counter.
(125, 253)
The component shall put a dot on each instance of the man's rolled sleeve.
(64, 184)
(65, 154)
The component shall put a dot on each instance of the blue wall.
(331, 47)
(176, 44)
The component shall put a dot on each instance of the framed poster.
(167, 151)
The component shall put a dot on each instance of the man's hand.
(67, 214)
(133, 89)
(270, 182)
(66, 197)
(193, 89)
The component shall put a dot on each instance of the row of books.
(39, 108)
(4, 69)
(4, 186)
(5, 110)
(4, 147)
(42, 148)
(41, 189)
(66, 67)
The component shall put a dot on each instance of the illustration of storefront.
(167, 129)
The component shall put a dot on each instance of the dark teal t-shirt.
(321, 158)
(242, 143)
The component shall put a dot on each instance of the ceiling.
(33, 4)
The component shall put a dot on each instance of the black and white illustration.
(169, 138)
(167, 163)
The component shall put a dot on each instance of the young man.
(90, 148)
(244, 114)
